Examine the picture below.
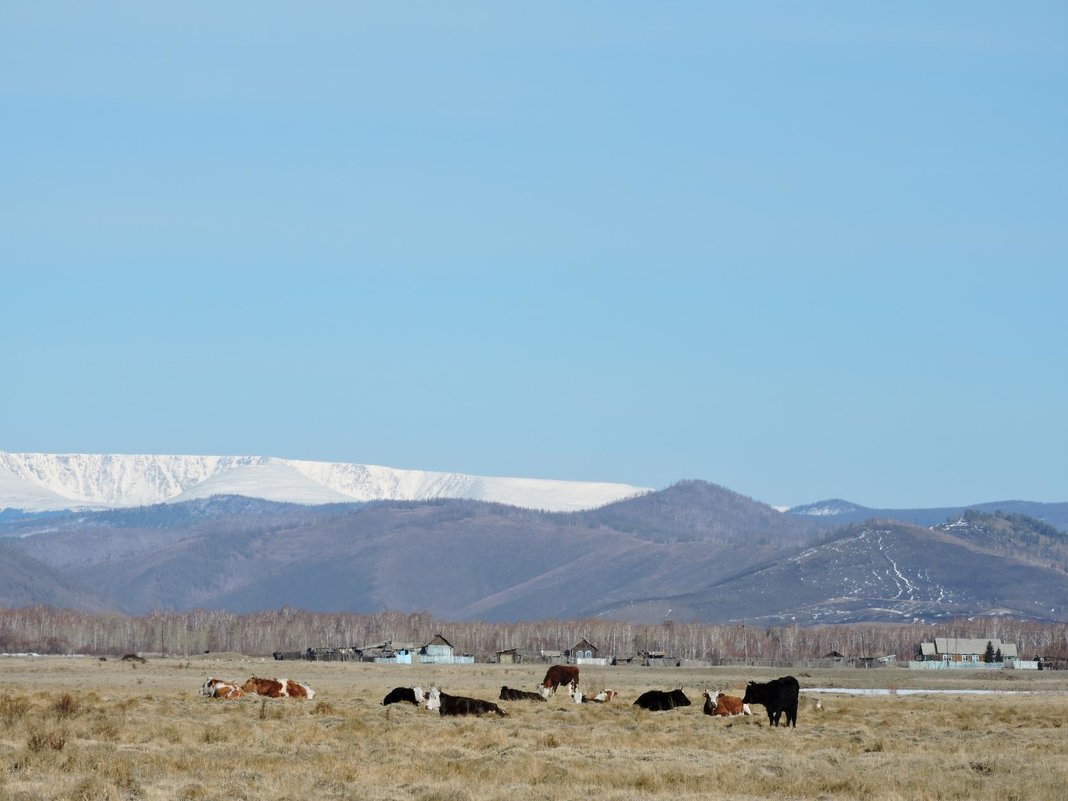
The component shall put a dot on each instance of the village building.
(440, 651)
(970, 652)
(586, 653)
(509, 656)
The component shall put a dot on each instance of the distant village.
(942, 653)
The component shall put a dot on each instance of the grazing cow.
(278, 688)
(557, 675)
(509, 694)
(459, 705)
(778, 696)
(413, 695)
(220, 688)
(660, 701)
(725, 705)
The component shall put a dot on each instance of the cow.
(459, 705)
(278, 688)
(413, 695)
(660, 701)
(220, 688)
(724, 705)
(557, 675)
(777, 696)
(509, 694)
(603, 697)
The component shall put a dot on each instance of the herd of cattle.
(776, 696)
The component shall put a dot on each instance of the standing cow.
(777, 696)
(557, 675)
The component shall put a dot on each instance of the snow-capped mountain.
(830, 508)
(46, 481)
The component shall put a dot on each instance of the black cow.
(509, 694)
(413, 695)
(459, 705)
(777, 696)
(660, 701)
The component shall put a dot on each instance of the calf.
(725, 705)
(557, 675)
(603, 697)
(278, 688)
(220, 688)
(778, 696)
(459, 705)
(660, 701)
(508, 694)
(413, 695)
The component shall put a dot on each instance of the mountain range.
(691, 552)
(48, 481)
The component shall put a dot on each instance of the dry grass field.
(88, 729)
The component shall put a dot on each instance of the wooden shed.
(509, 656)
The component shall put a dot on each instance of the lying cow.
(278, 688)
(725, 705)
(220, 688)
(459, 705)
(413, 695)
(557, 675)
(603, 697)
(777, 696)
(509, 694)
(660, 701)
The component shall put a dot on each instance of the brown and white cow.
(557, 675)
(603, 697)
(220, 688)
(278, 688)
(724, 705)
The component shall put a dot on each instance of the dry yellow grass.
(83, 729)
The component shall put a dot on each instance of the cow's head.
(545, 692)
(433, 699)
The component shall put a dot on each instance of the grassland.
(89, 729)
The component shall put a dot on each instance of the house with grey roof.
(967, 651)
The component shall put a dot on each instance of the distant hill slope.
(835, 512)
(463, 559)
(697, 511)
(893, 572)
(694, 551)
(25, 581)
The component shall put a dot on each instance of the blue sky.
(802, 250)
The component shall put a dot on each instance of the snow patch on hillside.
(43, 482)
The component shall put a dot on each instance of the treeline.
(48, 630)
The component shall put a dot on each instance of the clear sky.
(802, 250)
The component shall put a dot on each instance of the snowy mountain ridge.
(46, 481)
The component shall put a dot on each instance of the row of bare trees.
(63, 631)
